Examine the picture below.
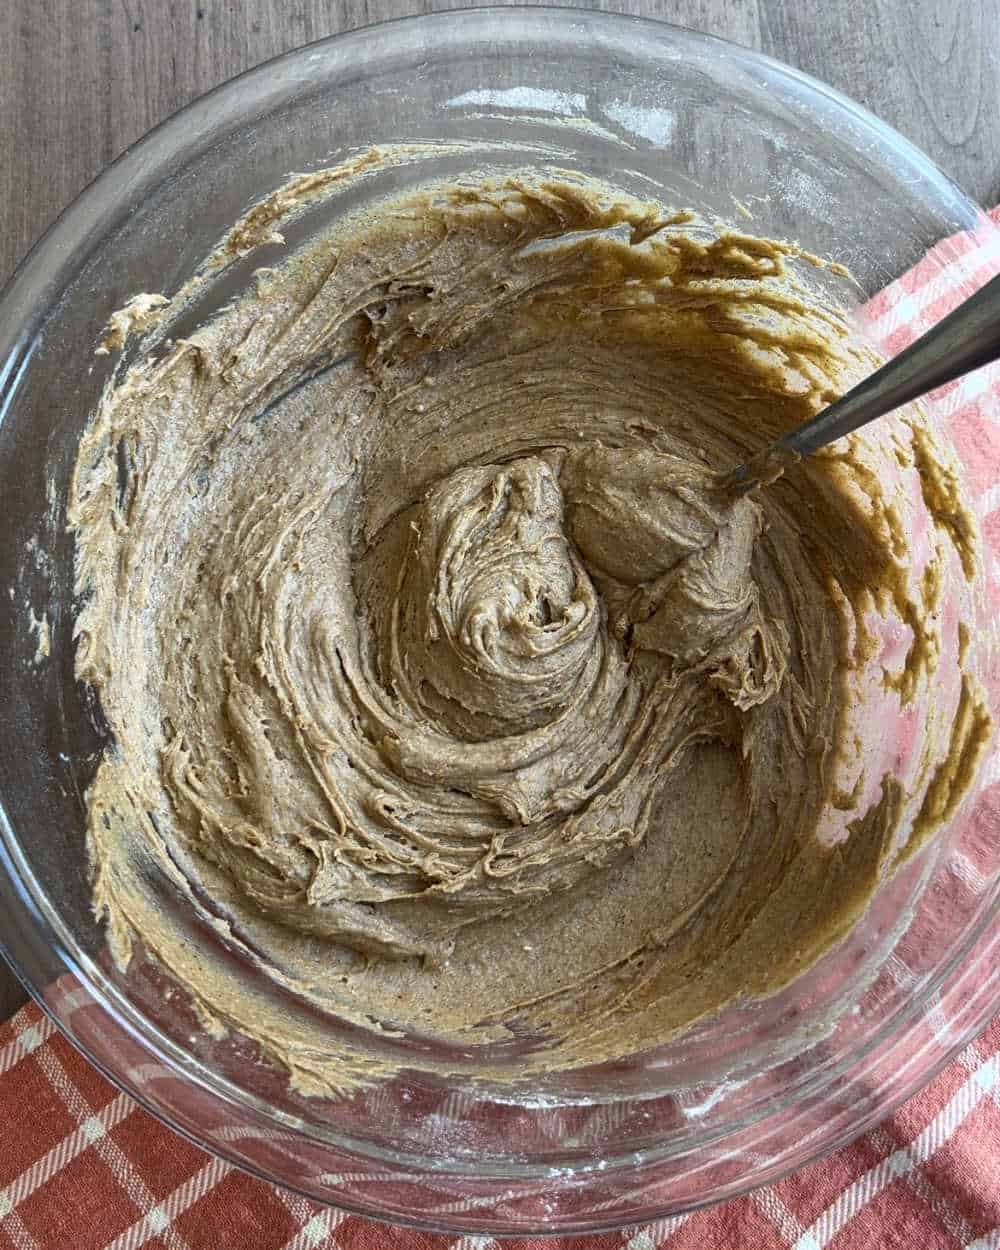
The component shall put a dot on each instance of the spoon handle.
(963, 341)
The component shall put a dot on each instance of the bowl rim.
(30, 286)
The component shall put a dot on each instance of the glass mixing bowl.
(742, 1098)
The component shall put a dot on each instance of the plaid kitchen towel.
(82, 1167)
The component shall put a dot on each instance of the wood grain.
(82, 79)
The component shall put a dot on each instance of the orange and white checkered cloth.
(83, 1167)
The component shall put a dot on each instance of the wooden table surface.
(82, 79)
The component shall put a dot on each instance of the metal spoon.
(965, 340)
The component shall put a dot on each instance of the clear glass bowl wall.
(664, 113)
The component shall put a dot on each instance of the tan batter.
(445, 673)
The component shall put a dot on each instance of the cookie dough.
(447, 677)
